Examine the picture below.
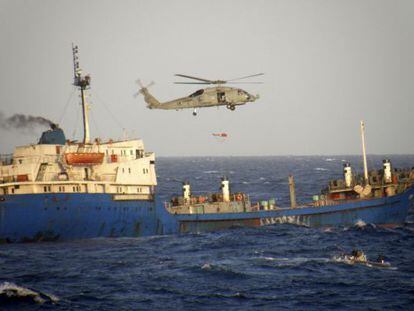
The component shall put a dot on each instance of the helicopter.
(209, 97)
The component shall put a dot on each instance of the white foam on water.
(320, 169)
(362, 224)
(342, 259)
(283, 261)
(270, 258)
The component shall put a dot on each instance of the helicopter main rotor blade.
(192, 83)
(245, 83)
(255, 75)
(194, 78)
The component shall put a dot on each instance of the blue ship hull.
(34, 217)
(387, 211)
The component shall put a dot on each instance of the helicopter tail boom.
(151, 101)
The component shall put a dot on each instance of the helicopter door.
(221, 97)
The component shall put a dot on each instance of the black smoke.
(24, 122)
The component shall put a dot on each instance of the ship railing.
(200, 204)
(118, 158)
(6, 159)
(330, 202)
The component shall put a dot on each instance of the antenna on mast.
(75, 63)
(83, 82)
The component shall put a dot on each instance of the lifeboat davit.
(85, 158)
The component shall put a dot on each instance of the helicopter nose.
(251, 98)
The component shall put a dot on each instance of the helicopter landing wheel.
(231, 107)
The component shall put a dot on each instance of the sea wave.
(223, 269)
(10, 292)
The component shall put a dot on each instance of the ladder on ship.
(41, 172)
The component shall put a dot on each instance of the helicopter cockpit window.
(197, 93)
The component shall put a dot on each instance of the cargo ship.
(59, 189)
(384, 200)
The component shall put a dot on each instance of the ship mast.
(83, 83)
(364, 155)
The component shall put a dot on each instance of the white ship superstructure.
(57, 165)
(117, 167)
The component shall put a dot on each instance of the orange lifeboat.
(78, 158)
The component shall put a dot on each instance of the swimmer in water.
(380, 259)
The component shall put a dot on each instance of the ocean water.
(267, 268)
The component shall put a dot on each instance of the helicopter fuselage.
(208, 97)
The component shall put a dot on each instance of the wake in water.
(296, 261)
(211, 172)
(370, 264)
(11, 293)
(282, 261)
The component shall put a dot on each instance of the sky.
(327, 65)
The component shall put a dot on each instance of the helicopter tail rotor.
(142, 87)
(151, 101)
